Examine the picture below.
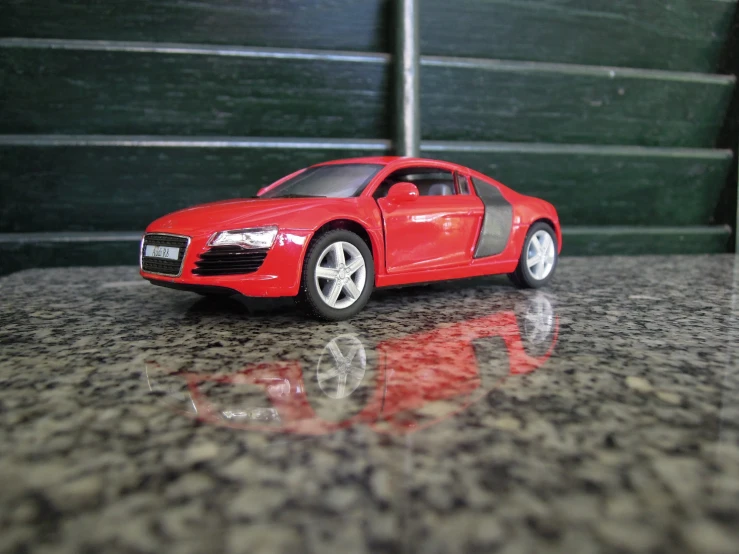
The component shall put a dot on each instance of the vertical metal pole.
(408, 112)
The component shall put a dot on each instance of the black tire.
(310, 299)
(523, 277)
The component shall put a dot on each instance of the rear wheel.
(338, 276)
(538, 258)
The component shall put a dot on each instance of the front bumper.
(279, 275)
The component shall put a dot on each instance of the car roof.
(385, 160)
(392, 160)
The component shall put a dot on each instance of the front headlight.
(259, 237)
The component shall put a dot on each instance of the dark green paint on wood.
(685, 35)
(514, 103)
(19, 256)
(590, 188)
(126, 188)
(78, 92)
(682, 35)
(360, 25)
(602, 241)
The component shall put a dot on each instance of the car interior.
(430, 182)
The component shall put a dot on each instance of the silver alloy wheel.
(540, 255)
(341, 366)
(340, 275)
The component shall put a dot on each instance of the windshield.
(333, 181)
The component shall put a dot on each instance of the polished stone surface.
(599, 415)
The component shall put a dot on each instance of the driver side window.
(429, 180)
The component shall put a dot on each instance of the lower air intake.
(229, 260)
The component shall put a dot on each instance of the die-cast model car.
(331, 233)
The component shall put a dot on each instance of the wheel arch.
(349, 225)
(525, 231)
(555, 228)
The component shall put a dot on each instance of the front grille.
(229, 260)
(163, 266)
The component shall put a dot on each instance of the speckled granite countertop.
(600, 415)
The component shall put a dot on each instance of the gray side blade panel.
(497, 223)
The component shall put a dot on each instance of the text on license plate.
(162, 252)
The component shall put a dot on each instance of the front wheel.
(338, 276)
(538, 258)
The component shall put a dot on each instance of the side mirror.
(402, 192)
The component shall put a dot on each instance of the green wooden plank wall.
(113, 113)
(684, 35)
(252, 93)
(57, 186)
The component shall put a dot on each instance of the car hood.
(235, 214)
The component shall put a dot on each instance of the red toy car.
(331, 233)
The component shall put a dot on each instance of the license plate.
(166, 252)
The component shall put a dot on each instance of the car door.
(438, 228)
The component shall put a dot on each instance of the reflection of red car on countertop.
(399, 385)
(329, 234)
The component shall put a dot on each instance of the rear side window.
(486, 190)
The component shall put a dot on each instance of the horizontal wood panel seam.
(552, 148)
(199, 142)
(361, 144)
(576, 69)
(50, 237)
(23, 238)
(363, 57)
(196, 49)
(581, 230)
